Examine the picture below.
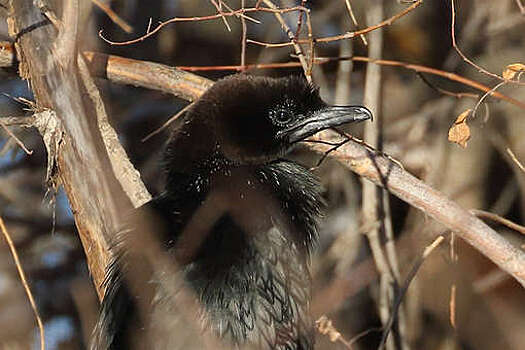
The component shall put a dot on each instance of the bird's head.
(259, 119)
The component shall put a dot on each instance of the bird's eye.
(281, 116)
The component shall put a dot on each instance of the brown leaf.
(460, 132)
(512, 69)
(325, 327)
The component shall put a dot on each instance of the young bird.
(237, 219)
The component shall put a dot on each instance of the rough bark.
(77, 154)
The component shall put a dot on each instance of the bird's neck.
(299, 194)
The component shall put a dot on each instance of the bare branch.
(113, 16)
(350, 35)
(236, 13)
(496, 218)
(354, 20)
(17, 140)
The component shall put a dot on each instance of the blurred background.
(458, 300)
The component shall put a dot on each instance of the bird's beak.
(326, 118)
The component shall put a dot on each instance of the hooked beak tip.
(365, 114)
(349, 114)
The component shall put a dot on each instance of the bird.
(236, 216)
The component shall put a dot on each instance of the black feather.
(250, 272)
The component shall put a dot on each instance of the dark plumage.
(250, 267)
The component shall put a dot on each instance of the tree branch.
(77, 156)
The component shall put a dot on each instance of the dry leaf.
(460, 132)
(325, 327)
(512, 69)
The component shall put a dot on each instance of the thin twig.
(323, 142)
(515, 159)
(415, 268)
(297, 47)
(243, 37)
(452, 301)
(354, 20)
(18, 121)
(278, 13)
(360, 335)
(23, 278)
(455, 46)
(50, 15)
(18, 141)
(327, 153)
(219, 10)
(300, 21)
(452, 306)
(268, 45)
(368, 146)
(414, 67)
(168, 122)
(239, 12)
(349, 35)
(485, 96)
(148, 28)
(501, 220)
(310, 42)
(457, 95)
(445, 74)
(463, 56)
(222, 3)
(113, 16)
